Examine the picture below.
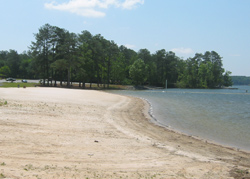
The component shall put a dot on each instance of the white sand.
(66, 133)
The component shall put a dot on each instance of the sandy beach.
(70, 133)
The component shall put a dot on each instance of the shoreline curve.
(55, 133)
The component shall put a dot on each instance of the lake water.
(219, 115)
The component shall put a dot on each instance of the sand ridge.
(66, 133)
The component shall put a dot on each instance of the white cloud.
(129, 4)
(130, 46)
(184, 51)
(92, 8)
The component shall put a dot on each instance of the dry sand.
(63, 133)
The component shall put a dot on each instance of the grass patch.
(94, 86)
(2, 175)
(29, 167)
(3, 103)
(102, 87)
(15, 85)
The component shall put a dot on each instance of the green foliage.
(17, 65)
(137, 72)
(204, 71)
(13, 62)
(29, 167)
(240, 80)
(5, 71)
(227, 79)
(2, 175)
(1, 104)
(59, 55)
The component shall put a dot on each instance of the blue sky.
(183, 26)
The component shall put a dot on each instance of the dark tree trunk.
(83, 85)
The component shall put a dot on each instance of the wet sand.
(66, 133)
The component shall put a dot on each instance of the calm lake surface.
(219, 115)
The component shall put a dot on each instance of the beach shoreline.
(169, 128)
(55, 133)
(154, 121)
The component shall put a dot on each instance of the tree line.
(241, 80)
(60, 55)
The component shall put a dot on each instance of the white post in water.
(166, 84)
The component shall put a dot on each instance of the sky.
(185, 27)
